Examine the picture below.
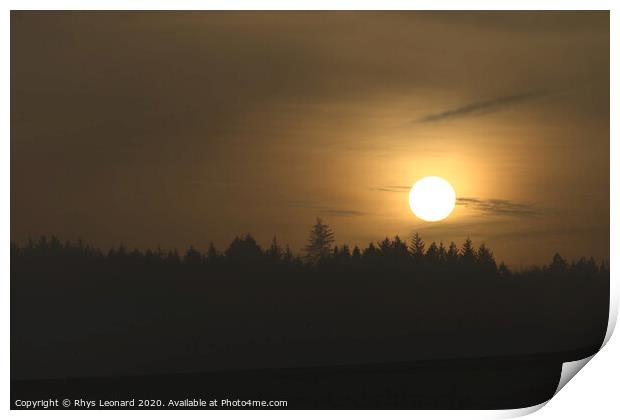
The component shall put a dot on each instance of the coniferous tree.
(452, 255)
(584, 266)
(503, 270)
(371, 254)
(345, 252)
(558, 264)
(192, 257)
(320, 241)
(442, 253)
(335, 251)
(244, 250)
(342, 255)
(287, 255)
(213, 256)
(399, 248)
(417, 247)
(274, 253)
(467, 255)
(485, 259)
(432, 253)
(385, 247)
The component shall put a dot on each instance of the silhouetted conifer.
(288, 256)
(453, 253)
(432, 253)
(192, 257)
(503, 270)
(274, 253)
(399, 248)
(243, 250)
(467, 254)
(485, 259)
(370, 254)
(320, 241)
(345, 252)
(385, 246)
(387, 255)
(417, 247)
(558, 263)
(442, 254)
(212, 254)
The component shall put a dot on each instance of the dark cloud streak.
(391, 188)
(342, 213)
(483, 107)
(330, 211)
(497, 207)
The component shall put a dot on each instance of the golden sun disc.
(432, 198)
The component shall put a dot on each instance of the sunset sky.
(182, 128)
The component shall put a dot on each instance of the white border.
(593, 395)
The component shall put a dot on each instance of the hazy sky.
(184, 128)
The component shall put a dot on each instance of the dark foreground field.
(494, 383)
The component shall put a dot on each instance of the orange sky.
(182, 128)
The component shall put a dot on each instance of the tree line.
(320, 252)
(72, 302)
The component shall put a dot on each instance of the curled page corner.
(570, 369)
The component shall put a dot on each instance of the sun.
(432, 198)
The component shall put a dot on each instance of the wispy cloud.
(330, 211)
(497, 206)
(392, 188)
(342, 213)
(483, 107)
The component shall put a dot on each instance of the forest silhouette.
(77, 311)
(244, 253)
